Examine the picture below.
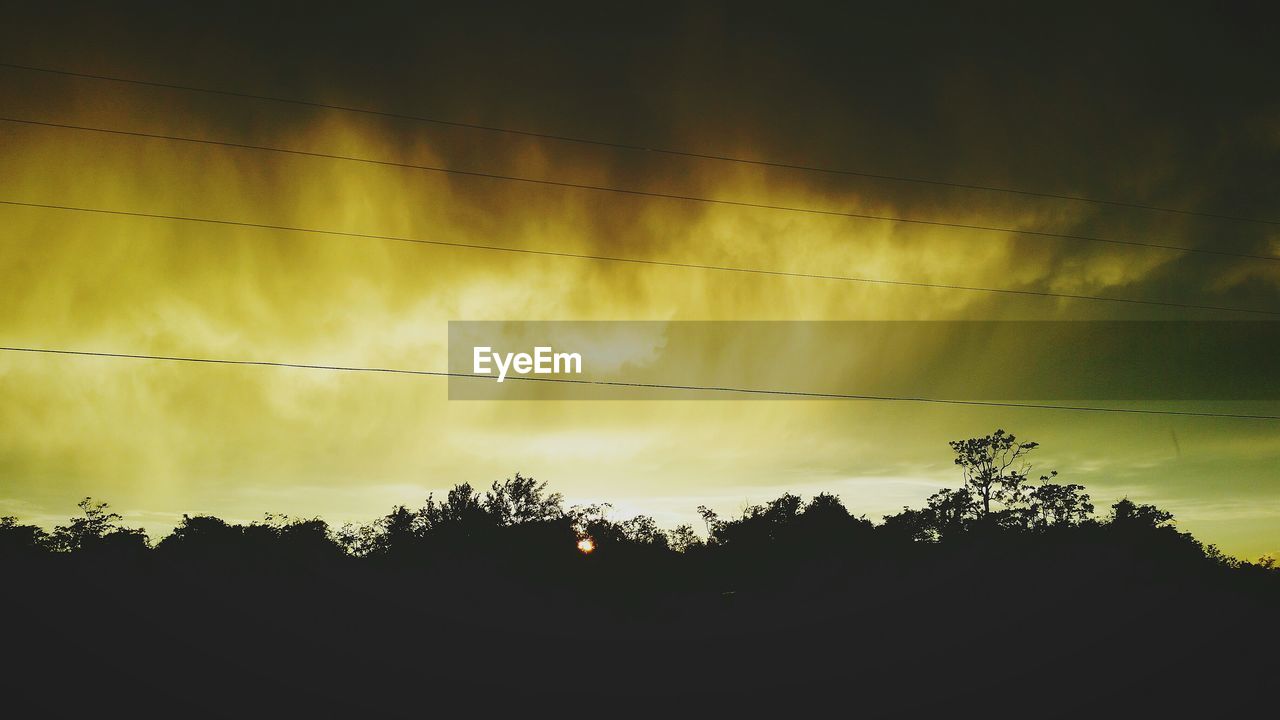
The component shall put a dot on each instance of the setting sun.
(586, 546)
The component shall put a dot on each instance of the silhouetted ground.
(1051, 629)
(484, 603)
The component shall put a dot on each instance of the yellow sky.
(160, 439)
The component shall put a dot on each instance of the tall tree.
(995, 468)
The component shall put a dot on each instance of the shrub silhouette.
(21, 542)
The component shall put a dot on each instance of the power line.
(642, 148)
(642, 193)
(655, 386)
(638, 261)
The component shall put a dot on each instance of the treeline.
(1002, 592)
(518, 519)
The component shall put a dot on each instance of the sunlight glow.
(586, 545)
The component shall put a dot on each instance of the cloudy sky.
(1166, 107)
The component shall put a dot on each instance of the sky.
(1152, 105)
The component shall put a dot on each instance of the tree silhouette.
(463, 508)
(644, 530)
(994, 467)
(17, 540)
(98, 529)
(684, 539)
(1130, 515)
(520, 499)
(1054, 505)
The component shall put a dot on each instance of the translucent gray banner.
(978, 360)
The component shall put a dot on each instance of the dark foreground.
(480, 604)
(933, 630)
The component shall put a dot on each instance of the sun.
(586, 545)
